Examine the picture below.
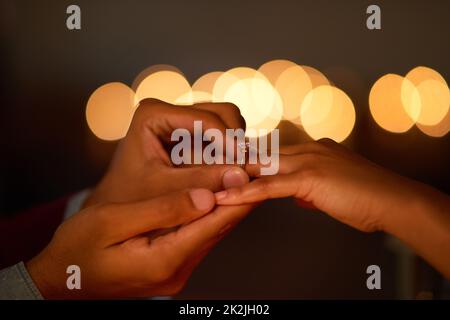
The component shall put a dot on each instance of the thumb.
(125, 220)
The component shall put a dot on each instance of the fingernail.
(221, 195)
(202, 199)
(234, 177)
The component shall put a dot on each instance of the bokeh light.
(293, 85)
(434, 102)
(255, 98)
(165, 85)
(192, 97)
(151, 70)
(420, 74)
(386, 105)
(109, 111)
(433, 94)
(227, 79)
(439, 130)
(273, 69)
(206, 82)
(316, 77)
(327, 112)
(281, 90)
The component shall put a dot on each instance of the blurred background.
(47, 74)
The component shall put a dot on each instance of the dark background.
(48, 72)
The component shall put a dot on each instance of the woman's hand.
(327, 176)
(355, 191)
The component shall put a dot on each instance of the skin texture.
(147, 224)
(327, 176)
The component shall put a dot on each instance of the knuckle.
(214, 118)
(236, 113)
(149, 103)
(210, 117)
(232, 108)
(147, 108)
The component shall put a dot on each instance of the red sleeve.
(24, 235)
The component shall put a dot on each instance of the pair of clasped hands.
(148, 224)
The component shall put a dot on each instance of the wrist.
(45, 278)
(424, 225)
(417, 212)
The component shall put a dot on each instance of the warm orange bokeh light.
(439, 130)
(109, 111)
(420, 74)
(433, 94)
(165, 85)
(256, 99)
(316, 77)
(153, 69)
(206, 82)
(327, 112)
(281, 89)
(193, 97)
(434, 102)
(293, 85)
(273, 69)
(230, 77)
(387, 107)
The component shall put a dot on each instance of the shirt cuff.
(16, 284)
(75, 203)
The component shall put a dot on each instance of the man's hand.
(140, 234)
(120, 255)
(141, 167)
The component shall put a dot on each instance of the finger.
(164, 117)
(228, 112)
(263, 189)
(287, 163)
(291, 156)
(301, 148)
(212, 177)
(123, 221)
(155, 121)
